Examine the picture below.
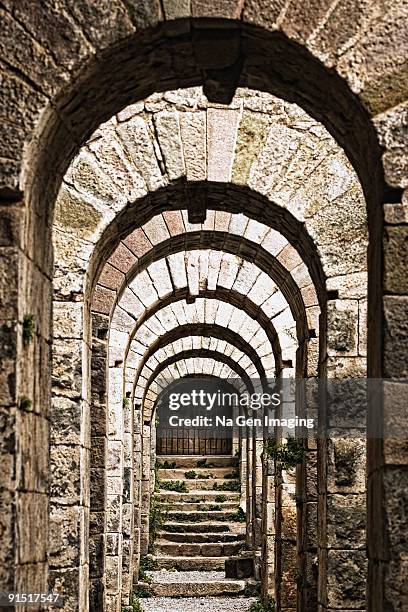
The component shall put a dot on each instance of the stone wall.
(61, 82)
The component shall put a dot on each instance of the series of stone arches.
(296, 53)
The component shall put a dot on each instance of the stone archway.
(42, 185)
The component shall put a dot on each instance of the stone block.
(32, 459)
(193, 135)
(346, 577)
(103, 300)
(65, 464)
(65, 535)
(97, 488)
(396, 260)
(138, 143)
(113, 543)
(9, 266)
(342, 323)
(138, 242)
(96, 556)
(67, 582)
(346, 521)
(32, 512)
(65, 417)
(123, 259)
(168, 133)
(113, 513)
(222, 125)
(239, 567)
(396, 214)
(395, 443)
(111, 278)
(395, 504)
(395, 335)
(346, 465)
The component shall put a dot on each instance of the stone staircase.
(203, 527)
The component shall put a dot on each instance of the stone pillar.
(127, 502)
(98, 476)
(145, 490)
(249, 505)
(306, 501)
(137, 490)
(70, 456)
(342, 460)
(388, 457)
(25, 317)
(268, 527)
(115, 471)
(257, 471)
(285, 509)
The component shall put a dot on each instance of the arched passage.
(361, 150)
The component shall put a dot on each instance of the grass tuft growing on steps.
(267, 606)
(174, 485)
(227, 486)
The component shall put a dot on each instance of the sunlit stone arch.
(367, 51)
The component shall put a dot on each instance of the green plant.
(252, 590)
(227, 486)
(238, 516)
(214, 507)
(190, 475)
(157, 481)
(156, 520)
(174, 485)
(126, 402)
(168, 465)
(135, 603)
(202, 463)
(266, 606)
(231, 475)
(147, 564)
(141, 592)
(287, 455)
(25, 403)
(28, 328)
(220, 499)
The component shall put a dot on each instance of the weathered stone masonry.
(75, 67)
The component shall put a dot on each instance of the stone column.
(342, 460)
(115, 471)
(70, 456)
(137, 491)
(98, 464)
(25, 317)
(145, 489)
(388, 457)
(127, 502)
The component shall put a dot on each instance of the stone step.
(202, 485)
(193, 604)
(201, 537)
(197, 497)
(199, 473)
(207, 549)
(193, 461)
(170, 527)
(200, 564)
(198, 589)
(204, 506)
(203, 516)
